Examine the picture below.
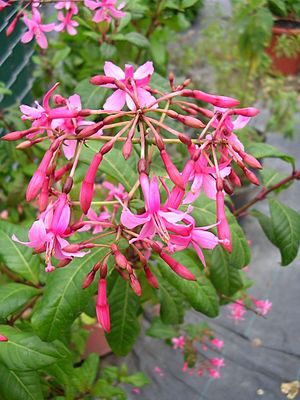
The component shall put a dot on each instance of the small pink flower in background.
(237, 311)
(185, 367)
(67, 5)
(262, 306)
(115, 192)
(66, 23)
(105, 9)
(218, 343)
(200, 372)
(4, 214)
(178, 343)
(92, 216)
(217, 362)
(158, 371)
(214, 373)
(135, 83)
(136, 390)
(36, 29)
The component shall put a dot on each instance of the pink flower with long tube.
(105, 9)
(155, 219)
(48, 232)
(37, 29)
(135, 83)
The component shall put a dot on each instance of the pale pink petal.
(240, 122)
(209, 186)
(41, 40)
(69, 148)
(144, 70)
(199, 253)
(48, 27)
(145, 98)
(172, 217)
(116, 101)
(71, 30)
(27, 37)
(225, 171)
(131, 220)
(148, 231)
(92, 5)
(154, 195)
(113, 70)
(206, 240)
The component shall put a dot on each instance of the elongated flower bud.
(3, 338)
(13, 24)
(87, 187)
(234, 178)
(102, 308)
(252, 161)
(178, 268)
(63, 170)
(218, 101)
(44, 195)
(37, 180)
(223, 227)
(29, 143)
(172, 171)
(121, 260)
(245, 112)
(251, 176)
(190, 121)
(90, 130)
(135, 284)
(16, 135)
(150, 277)
(101, 80)
(88, 280)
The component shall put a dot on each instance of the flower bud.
(251, 176)
(103, 317)
(87, 187)
(218, 101)
(190, 121)
(135, 284)
(234, 178)
(107, 147)
(16, 135)
(185, 139)
(172, 171)
(150, 277)
(223, 227)
(252, 161)
(44, 195)
(245, 112)
(142, 166)
(64, 262)
(89, 130)
(121, 260)
(101, 80)
(127, 149)
(88, 280)
(228, 187)
(3, 338)
(68, 185)
(178, 268)
(37, 180)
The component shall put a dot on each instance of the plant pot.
(284, 64)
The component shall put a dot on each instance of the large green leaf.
(114, 165)
(92, 96)
(13, 296)
(64, 298)
(266, 224)
(85, 375)
(225, 277)
(26, 351)
(171, 303)
(123, 304)
(200, 294)
(19, 385)
(18, 257)
(286, 225)
(265, 150)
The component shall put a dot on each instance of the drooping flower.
(218, 343)
(214, 373)
(105, 9)
(262, 306)
(237, 311)
(37, 29)
(135, 83)
(178, 343)
(217, 362)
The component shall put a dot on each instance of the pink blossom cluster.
(196, 361)
(238, 309)
(104, 11)
(136, 115)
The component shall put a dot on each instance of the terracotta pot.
(96, 342)
(283, 64)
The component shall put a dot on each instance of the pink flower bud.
(16, 135)
(252, 161)
(37, 180)
(87, 187)
(150, 277)
(172, 171)
(135, 284)
(245, 112)
(44, 195)
(90, 130)
(13, 24)
(251, 176)
(102, 296)
(190, 121)
(127, 149)
(72, 248)
(234, 178)
(101, 80)
(103, 317)
(64, 262)
(3, 338)
(88, 280)
(121, 260)
(63, 170)
(178, 268)
(223, 227)
(217, 101)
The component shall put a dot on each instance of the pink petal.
(154, 195)
(144, 70)
(206, 240)
(27, 37)
(113, 70)
(240, 122)
(130, 103)
(41, 40)
(145, 98)
(131, 220)
(199, 253)
(209, 186)
(147, 231)
(69, 148)
(48, 27)
(172, 217)
(116, 101)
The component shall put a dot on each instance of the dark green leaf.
(160, 330)
(171, 303)
(266, 224)
(265, 150)
(138, 380)
(123, 304)
(13, 296)
(85, 375)
(105, 391)
(91, 96)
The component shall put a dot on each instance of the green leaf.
(225, 278)
(64, 298)
(106, 391)
(85, 375)
(200, 294)
(13, 296)
(188, 3)
(123, 304)
(160, 330)
(25, 351)
(60, 55)
(19, 385)
(286, 225)
(271, 177)
(18, 257)
(114, 165)
(92, 96)
(171, 303)
(137, 380)
(266, 224)
(264, 150)
(63, 372)
(133, 37)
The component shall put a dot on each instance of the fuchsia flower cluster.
(138, 115)
(104, 11)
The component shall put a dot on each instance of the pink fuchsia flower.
(102, 308)
(92, 216)
(204, 177)
(217, 362)
(155, 218)
(48, 232)
(185, 367)
(66, 23)
(136, 390)
(115, 192)
(105, 9)
(135, 83)
(237, 310)
(36, 29)
(158, 371)
(222, 223)
(67, 5)
(262, 306)
(178, 343)
(217, 343)
(214, 373)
